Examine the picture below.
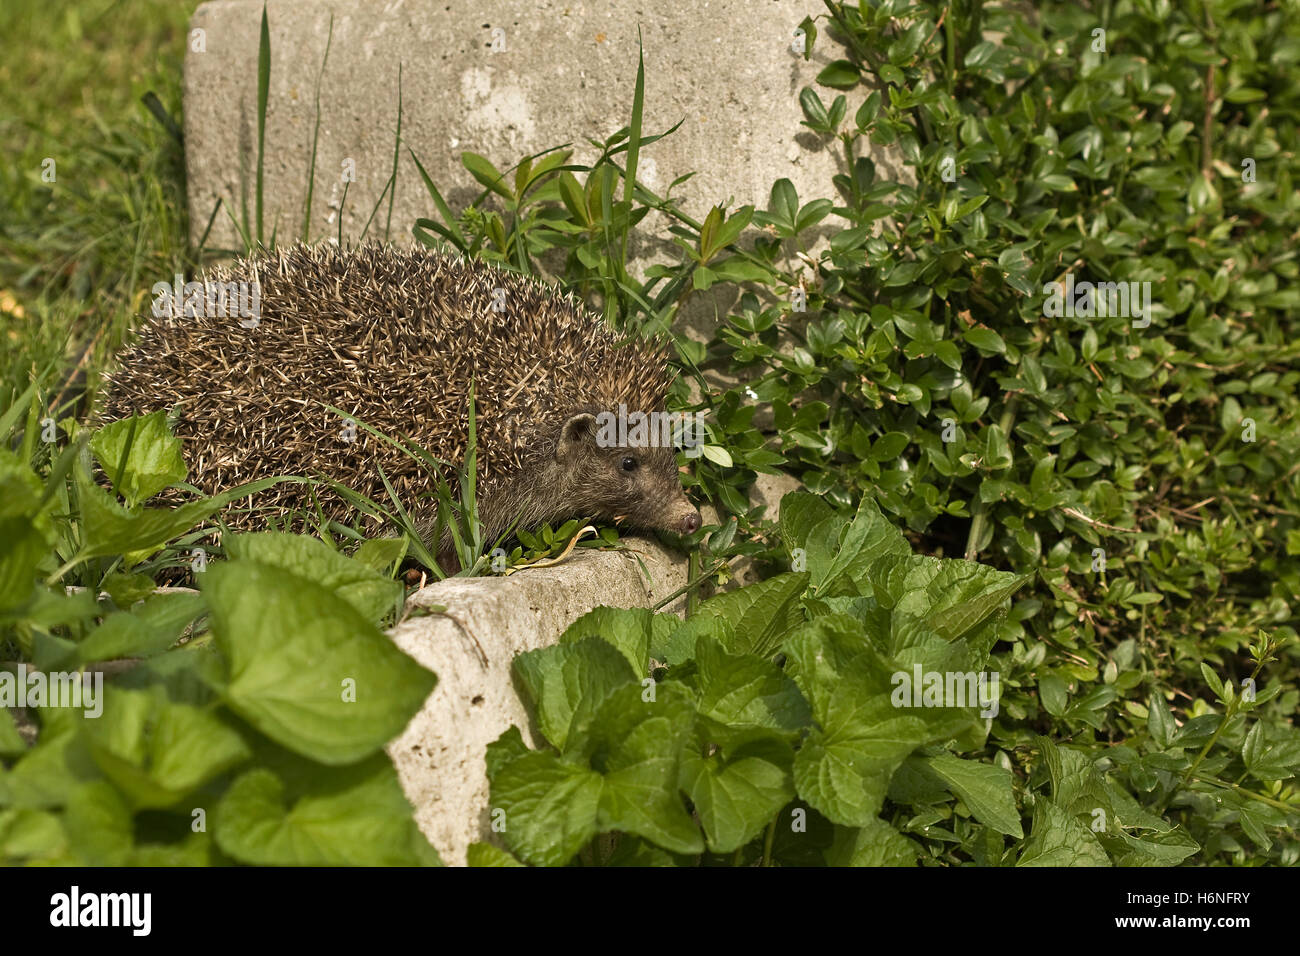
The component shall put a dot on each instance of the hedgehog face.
(638, 485)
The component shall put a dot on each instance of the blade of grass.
(397, 148)
(263, 89)
(315, 138)
(633, 144)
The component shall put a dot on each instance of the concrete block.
(470, 646)
(503, 78)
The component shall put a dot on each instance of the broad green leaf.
(551, 806)
(1057, 838)
(951, 596)
(485, 854)
(547, 806)
(99, 826)
(32, 837)
(747, 691)
(140, 456)
(11, 742)
(800, 512)
(1157, 849)
(305, 667)
(48, 775)
(750, 620)
(737, 780)
(22, 546)
(157, 751)
(861, 738)
(867, 539)
(381, 554)
(839, 74)
(1271, 755)
(875, 843)
(985, 789)
(568, 683)
(371, 593)
(141, 632)
(109, 529)
(986, 340)
(343, 816)
(636, 632)
(637, 745)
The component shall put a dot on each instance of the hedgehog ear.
(577, 430)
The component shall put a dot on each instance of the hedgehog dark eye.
(628, 464)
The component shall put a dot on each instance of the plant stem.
(1228, 714)
(694, 583)
(980, 508)
(692, 573)
(767, 841)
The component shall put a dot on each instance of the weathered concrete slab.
(440, 755)
(503, 78)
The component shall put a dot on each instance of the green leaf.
(553, 806)
(381, 555)
(1058, 839)
(1053, 693)
(1160, 722)
(742, 690)
(1271, 755)
(861, 737)
(11, 742)
(481, 168)
(875, 843)
(985, 789)
(636, 632)
(23, 544)
(954, 596)
(737, 780)
(986, 340)
(568, 682)
(142, 632)
(637, 744)
(99, 826)
(140, 456)
(750, 620)
(157, 751)
(800, 512)
(485, 854)
(305, 667)
(110, 529)
(783, 207)
(347, 816)
(839, 74)
(870, 537)
(371, 593)
(549, 807)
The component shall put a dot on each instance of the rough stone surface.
(440, 755)
(725, 68)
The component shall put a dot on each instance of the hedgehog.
(399, 340)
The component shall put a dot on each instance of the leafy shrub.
(905, 338)
(788, 712)
(250, 728)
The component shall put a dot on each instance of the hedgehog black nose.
(691, 523)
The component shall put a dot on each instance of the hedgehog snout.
(690, 523)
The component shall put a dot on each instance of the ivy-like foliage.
(799, 705)
(250, 727)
